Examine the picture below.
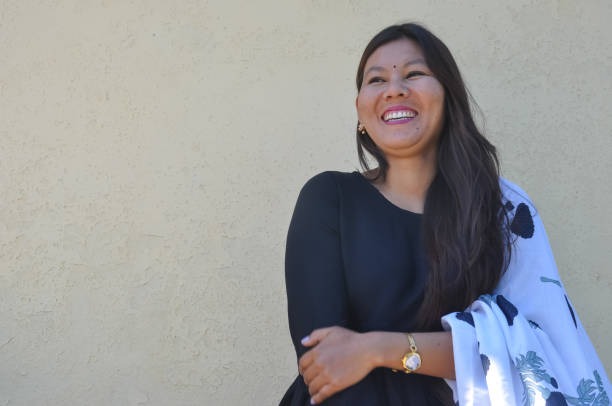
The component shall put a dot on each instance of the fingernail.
(311, 401)
(303, 341)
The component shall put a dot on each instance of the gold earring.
(361, 129)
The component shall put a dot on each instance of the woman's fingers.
(306, 360)
(325, 392)
(320, 361)
(320, 388)
(316, 384)
(309, 375)
(316, 336)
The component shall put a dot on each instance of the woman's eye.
(408, 76)
(414, 73)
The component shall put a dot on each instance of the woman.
(430, 264)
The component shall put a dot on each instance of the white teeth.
(394, 115)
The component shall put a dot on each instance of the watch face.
(412, 361)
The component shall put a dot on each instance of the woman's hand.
(340, 358)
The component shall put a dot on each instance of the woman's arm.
(386, 349)
(339, 358)
(314, 273)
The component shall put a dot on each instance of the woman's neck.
(407, 181)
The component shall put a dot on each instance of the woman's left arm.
(435, 349)
(340, 357)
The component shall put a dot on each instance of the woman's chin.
(406, 147)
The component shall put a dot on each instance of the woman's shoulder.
(514, 196)
(511, 188)
(328, 180)
(320, 196)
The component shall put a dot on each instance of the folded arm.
(386, 349)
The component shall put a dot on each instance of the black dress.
(354, 259)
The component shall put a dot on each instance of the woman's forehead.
(401, 52)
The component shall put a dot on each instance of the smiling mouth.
(399, 117)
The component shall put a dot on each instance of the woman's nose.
(396, 87)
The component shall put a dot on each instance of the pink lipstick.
(398, 115)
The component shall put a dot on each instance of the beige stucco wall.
(151, 153)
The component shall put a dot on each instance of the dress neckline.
(383, 197)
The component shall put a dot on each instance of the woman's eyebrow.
(380, 68)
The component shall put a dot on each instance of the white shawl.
(525, 345)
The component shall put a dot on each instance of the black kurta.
(355, 260)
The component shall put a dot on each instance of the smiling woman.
(431, 263)
(401, 103)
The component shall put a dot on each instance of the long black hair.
(468, 246)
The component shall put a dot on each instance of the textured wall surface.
(151, 153)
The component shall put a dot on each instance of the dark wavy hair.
(467, 243)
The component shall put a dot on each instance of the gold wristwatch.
(411, 361)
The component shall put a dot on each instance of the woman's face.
(401, 104)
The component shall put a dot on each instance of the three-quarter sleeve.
(314, 272)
